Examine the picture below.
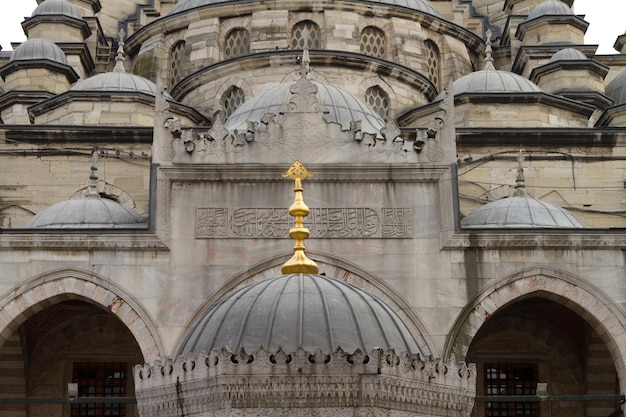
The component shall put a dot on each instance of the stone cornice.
(79, 240)
(181, 21)
(541, 238)
(602, 137)
(17, 65)
(319, 59)
(525, 98)
(528, 53)
(323, 173)
(63, 133)
(57, 20)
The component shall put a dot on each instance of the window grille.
(100, 379)
(231, 100)
(509, 379)
(237, 43)
(378, 100)
(432, 62)
(177, 62)
(313, 35)
(373, 42)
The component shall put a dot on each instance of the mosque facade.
(455, 169)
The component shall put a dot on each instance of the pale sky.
(605, 17)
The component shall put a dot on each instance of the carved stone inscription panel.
(352, 222)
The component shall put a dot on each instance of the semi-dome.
(550, 8)
(568, 54)
(343, 108)
(300, 311)
(616, 89)
(57, 8)
(116, 82)
(91, 212)
(36, 49)
(418, 5)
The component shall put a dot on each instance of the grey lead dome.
(550, 8)
(57, 8)
(86, 213)
(37, 48)
(116, 82)
(299, 310)
(520, 212)
(419, 5)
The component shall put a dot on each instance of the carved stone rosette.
(262, 383)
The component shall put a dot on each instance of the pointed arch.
(573, 292)
(53, 287)
(332, 267)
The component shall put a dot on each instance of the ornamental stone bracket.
(300, 132)
(203, 384)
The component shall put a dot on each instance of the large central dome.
(418, 5)
(300, 310)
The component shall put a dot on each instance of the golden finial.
(299, 262)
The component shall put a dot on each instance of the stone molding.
(201, 384)
(53, 287)
(79, 240)
(577, 294)
(525, 239)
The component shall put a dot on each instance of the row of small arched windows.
(372, 43)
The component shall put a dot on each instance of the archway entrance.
(533, 341)
(69, 342)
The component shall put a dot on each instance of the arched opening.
(236, 43)
(373, 42)
(231, 100)
(433, 63)
(379, 100)
(177, 63)
(69, 342)
(537, 340)
(306, 31)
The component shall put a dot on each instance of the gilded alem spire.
(299, 262)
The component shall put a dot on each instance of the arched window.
(237, 43)
(177, 61)
(432, 62)
(313, 35)
(378, 100)
(373, 42)
(232, 99)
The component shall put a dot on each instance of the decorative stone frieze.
(227, 383)
(345, 222)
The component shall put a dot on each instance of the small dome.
(300, 310)
(520, 212)
(550, 8)
(57, 8)
(568, 54)
(34, 49)
(419, 5)
(616, 89)
(493, 81)
(116, 82)
(86, 213)
(343, 108)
